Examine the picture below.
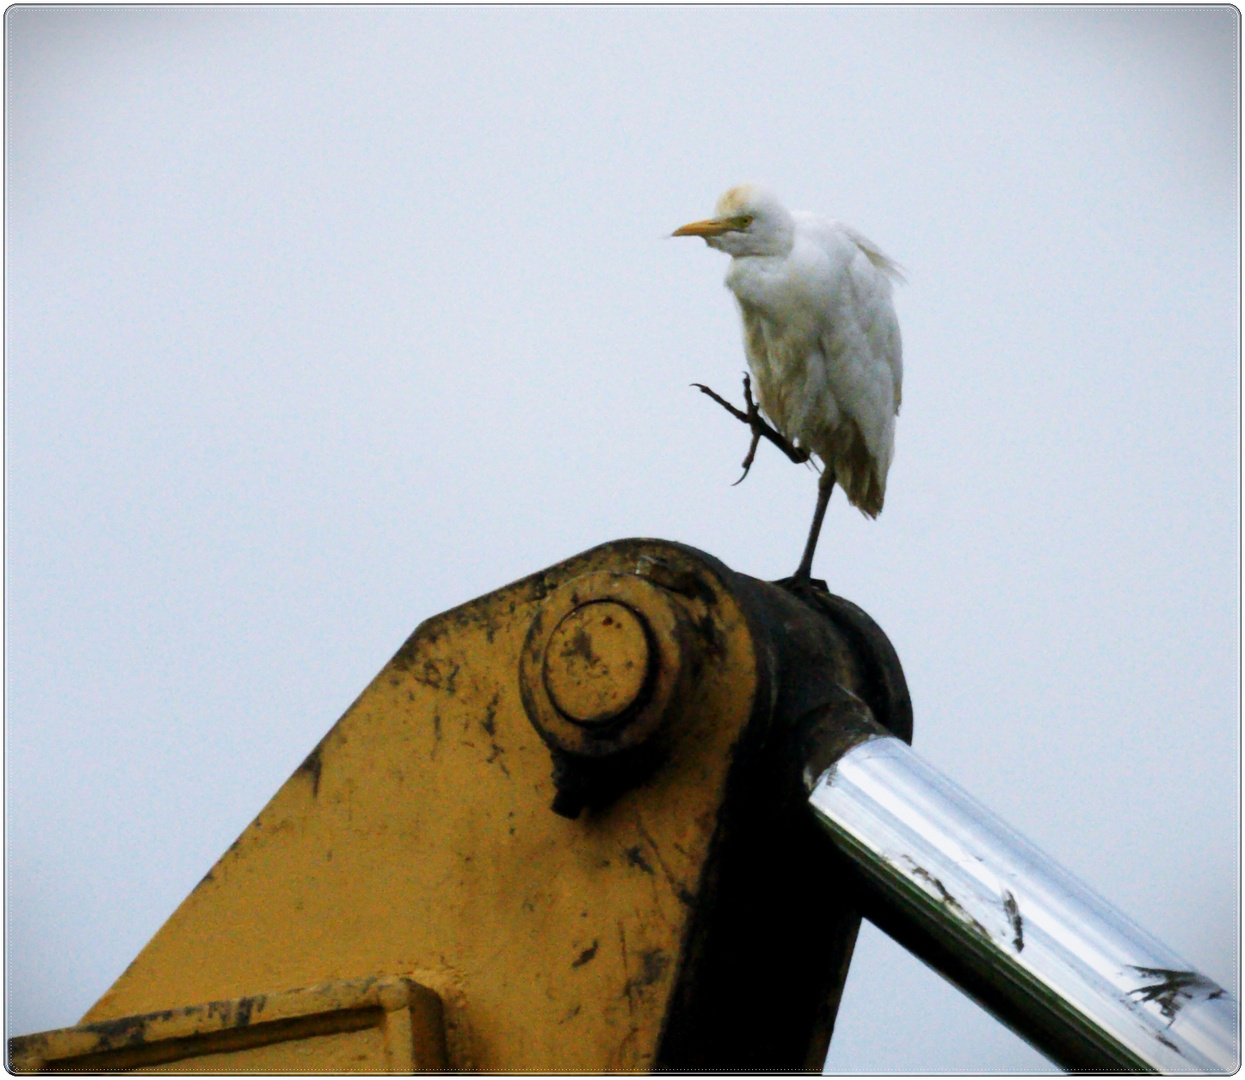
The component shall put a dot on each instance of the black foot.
(801, 586)
(760, 428)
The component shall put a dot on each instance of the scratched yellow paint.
(347, 1052)
(418, 841)
(363, 1025)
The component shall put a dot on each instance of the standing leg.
(824, 486)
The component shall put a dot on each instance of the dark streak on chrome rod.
(1036, 947)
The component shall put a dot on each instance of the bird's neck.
(755, 279)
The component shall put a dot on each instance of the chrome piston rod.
(1035, 946)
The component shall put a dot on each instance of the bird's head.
(748, 220)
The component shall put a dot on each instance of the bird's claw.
(724, 403)
(747, 461)
(760, 429)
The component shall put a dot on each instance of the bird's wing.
(830, 234)
(883, 262)
(858, 330)
(877, 310)
(854, 282)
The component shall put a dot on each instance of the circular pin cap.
(597, 661)
(601, 664)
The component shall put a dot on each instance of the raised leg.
(824, 486)
(760, 429)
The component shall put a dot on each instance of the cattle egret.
(821, 339)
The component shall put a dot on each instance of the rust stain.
(628, 986)
(222, 1010)
(635, 857)
(587, 955)
(495, 753)
(128, 1031)
(430, 675)
(654, 963)
(489, 724)
(711, 636)
(310, 767)
(580, 644)
(678, 887)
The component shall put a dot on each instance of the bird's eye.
(743, 221)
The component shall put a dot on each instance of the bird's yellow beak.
(708, 227)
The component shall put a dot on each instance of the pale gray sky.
(321, 321)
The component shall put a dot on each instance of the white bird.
(822, 342)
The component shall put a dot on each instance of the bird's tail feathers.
(856, 470)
